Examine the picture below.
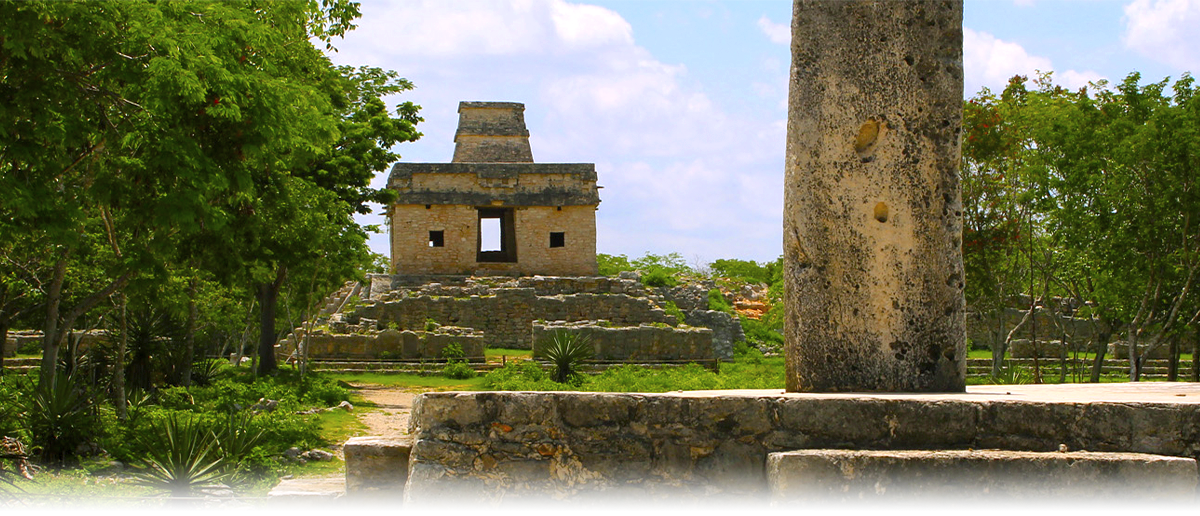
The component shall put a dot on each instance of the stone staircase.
(995, 443)
(21, 365)
(377, 469)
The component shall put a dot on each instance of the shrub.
(323, 391)
(458, 371)
(236, 439)
(673, 310)
(716, 301)
(452, 352)
(567, 351)
(60, 417)
(659, 278)
(525, 375)
(205, 371)
(181, 458)
(431, 325)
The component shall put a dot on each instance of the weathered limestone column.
(872, 209)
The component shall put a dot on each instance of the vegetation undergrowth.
(749, 370)
(234, 430)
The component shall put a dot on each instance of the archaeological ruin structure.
(872, 209)
(539, 278)
(874, 291)
(445, 213)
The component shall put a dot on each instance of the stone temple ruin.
(871, 234)
(544, 213)
(449, 287)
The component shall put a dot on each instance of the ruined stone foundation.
(872, 217)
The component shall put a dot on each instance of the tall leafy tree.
(148, 122)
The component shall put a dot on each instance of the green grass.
(336, 426)
(410, 381)
(987, 353)
(494, 354)
(77, 491)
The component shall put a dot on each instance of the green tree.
(144, 122)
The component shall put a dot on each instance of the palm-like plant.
(567, 351)
(235, 442)
(183, 458)
(207, 370)
(60, 416)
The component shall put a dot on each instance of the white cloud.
(1165, 31)
(779, 33)
(990, 62)
(680, 172)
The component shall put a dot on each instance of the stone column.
(872, 209)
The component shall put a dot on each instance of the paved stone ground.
(1141, 392)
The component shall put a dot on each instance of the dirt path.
(394, 408)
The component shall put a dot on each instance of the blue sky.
(682, 104)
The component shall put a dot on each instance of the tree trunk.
(3, 343)
(1135, 370)
(268, 293)
(119, 374)
(50, 333)
(1101, 347)
(189, 339)
(1195, 357)
(1173, 365)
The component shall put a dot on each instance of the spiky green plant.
(183, 458)
(567, 351)
(207, 370)
(60, 417)
(237, 439)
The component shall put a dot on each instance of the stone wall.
(986, 330)
(726, 329)
(390, 344)
(632, 343)
(506, 315)
(492, 132)
(489, 445)
(459, 226)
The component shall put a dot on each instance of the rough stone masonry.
(873, 211)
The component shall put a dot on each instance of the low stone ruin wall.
(987, 330)
(1024, 348)
(726, 330)
(508, 315)
(513, 445)
(1120, 350)
(391, 344)
(632, 343)
(24, 338)
(384, 287)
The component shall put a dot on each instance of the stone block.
(1120, 350)
(377, 466)
(307, 495)
(899, 474)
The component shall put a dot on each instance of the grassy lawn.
(987, 353)
(496, 354)
(410, 381)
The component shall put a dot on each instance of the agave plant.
(567, 351)
(206, 370)
(235, 442)
(60, 417)
(183, 458)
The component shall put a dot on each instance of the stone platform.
(567, 445)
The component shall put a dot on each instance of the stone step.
(911, 474)
(307, 491)
(377, 466)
